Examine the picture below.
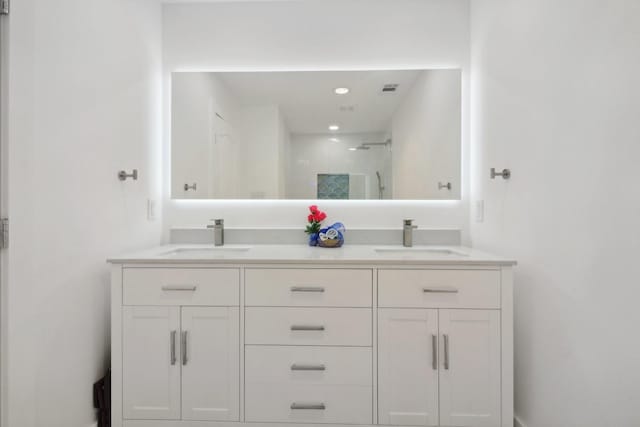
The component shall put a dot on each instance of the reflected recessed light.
(341, 90)
(334, 140)
(352, 149)
(334, 127)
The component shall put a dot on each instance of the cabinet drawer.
(307, 365)
(301, 403)
(439, 288)
(308, 287)
(308, 326)
(181, 286)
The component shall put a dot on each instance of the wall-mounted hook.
(443, 186)
(505, 174)
(122, 175)
(193, 187)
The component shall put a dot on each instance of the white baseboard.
(517, 422)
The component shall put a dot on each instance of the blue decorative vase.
(313, 239)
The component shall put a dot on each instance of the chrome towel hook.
(193, 187)
(445, 185)
(505, 174)
(122, 175)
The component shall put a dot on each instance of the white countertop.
(303, 254)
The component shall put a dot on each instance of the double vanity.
(205, 336)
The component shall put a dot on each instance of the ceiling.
(309, 104)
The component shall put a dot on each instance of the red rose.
(311, 218)
(320, 216)
(314, 209)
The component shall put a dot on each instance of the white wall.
(426, 138)
(318, 35)
(84, 103)
(556, 99)
(200, 137)
(261, 163)
(241, 155)
(284, 142)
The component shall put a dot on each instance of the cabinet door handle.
(318, 289)
(184, 288)
(307, 328)
(173, 347)
(318, 406)
(434, 352)
(440, 290)
(183, 348)
(297, 367)
(446, 351)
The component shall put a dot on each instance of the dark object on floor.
(102, 400)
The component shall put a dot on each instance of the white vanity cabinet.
(438, 365)
(180, 353)
(151, 371)
(180, 361)
(238, 343)
(210, 363)
(408, 367)
(309, 337)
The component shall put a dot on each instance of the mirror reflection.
(316, 135)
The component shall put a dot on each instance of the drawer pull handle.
(173, 347)
(183, 347)
(307, 289)
(316, 406)
(439, 290)
(297, 367)
(179, 288)
(446, 351)
(307, 328)
(434, 352)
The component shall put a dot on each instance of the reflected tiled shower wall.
(333, 186)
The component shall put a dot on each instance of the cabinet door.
(470, 368)
(210, 363)
(150, 368)
(408, 367)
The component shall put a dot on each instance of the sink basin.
(418, 250)
(205, 252)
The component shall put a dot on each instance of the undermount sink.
(205, 252)
(418, 250)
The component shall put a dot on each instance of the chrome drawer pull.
(317, 406)
(446, 351)
(173, 347)
(307, 328)
(184, 348)
(296, 367)
(179, 288)
(440, 290)
(434, 352)
(307, 289)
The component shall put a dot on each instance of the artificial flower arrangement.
(329, 237)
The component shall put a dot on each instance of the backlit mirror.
(316, 135)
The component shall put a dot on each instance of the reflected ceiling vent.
(390, 88)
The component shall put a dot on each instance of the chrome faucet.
(218, 231)
(407, 233)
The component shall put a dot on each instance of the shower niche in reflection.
(342, 135)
